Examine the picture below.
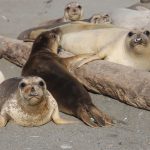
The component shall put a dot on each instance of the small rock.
(66, 146)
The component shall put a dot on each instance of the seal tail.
(93, 117)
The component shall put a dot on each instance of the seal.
(27, 102)
(141, 5)
(100, 19)
(45, 64)
(72, 12)
(65, 27)
(131, 49)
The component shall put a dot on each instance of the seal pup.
(27, 102)
(71, 96)
(132, 49)
(54, 38)
(141, 5)
(2, 78)
(72, 12)
(100, 19)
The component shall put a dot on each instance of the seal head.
(73, 11)
(138, 42)
(101, 19)
(32, 90)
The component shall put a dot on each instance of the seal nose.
(74, 10)
(32, 89)
(33, 92)
(138, 40)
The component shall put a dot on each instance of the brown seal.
(72, 12)
(71, 96)
(27, 102)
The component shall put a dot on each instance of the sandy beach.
(132, 128)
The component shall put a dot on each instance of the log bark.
(120, 82)
(15, 51)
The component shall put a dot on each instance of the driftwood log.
(123, 83)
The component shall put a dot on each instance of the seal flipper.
(58, 120)
(93, 117)
(3, 121)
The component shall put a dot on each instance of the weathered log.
(15, 51)
(123, 83)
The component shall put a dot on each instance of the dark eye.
(79, 7)
(130, 34)
(22, 85)
(106, 15)
(68, 8)
(41, 83)
(147, 33)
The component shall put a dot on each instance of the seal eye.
(68, 8)
(79, 7)
(147, 32)
(22, 85)
(130, 34)
(41, 83)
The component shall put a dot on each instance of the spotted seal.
(27, 102)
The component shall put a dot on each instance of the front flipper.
(58, 120)
(93, 117)
(3, 121)
(72, 62)
(98, 56)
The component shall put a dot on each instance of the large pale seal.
(27, 102)
(132, 49)
(71, 96)
(72, 12)
(66, 27)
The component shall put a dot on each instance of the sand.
(132, 130)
